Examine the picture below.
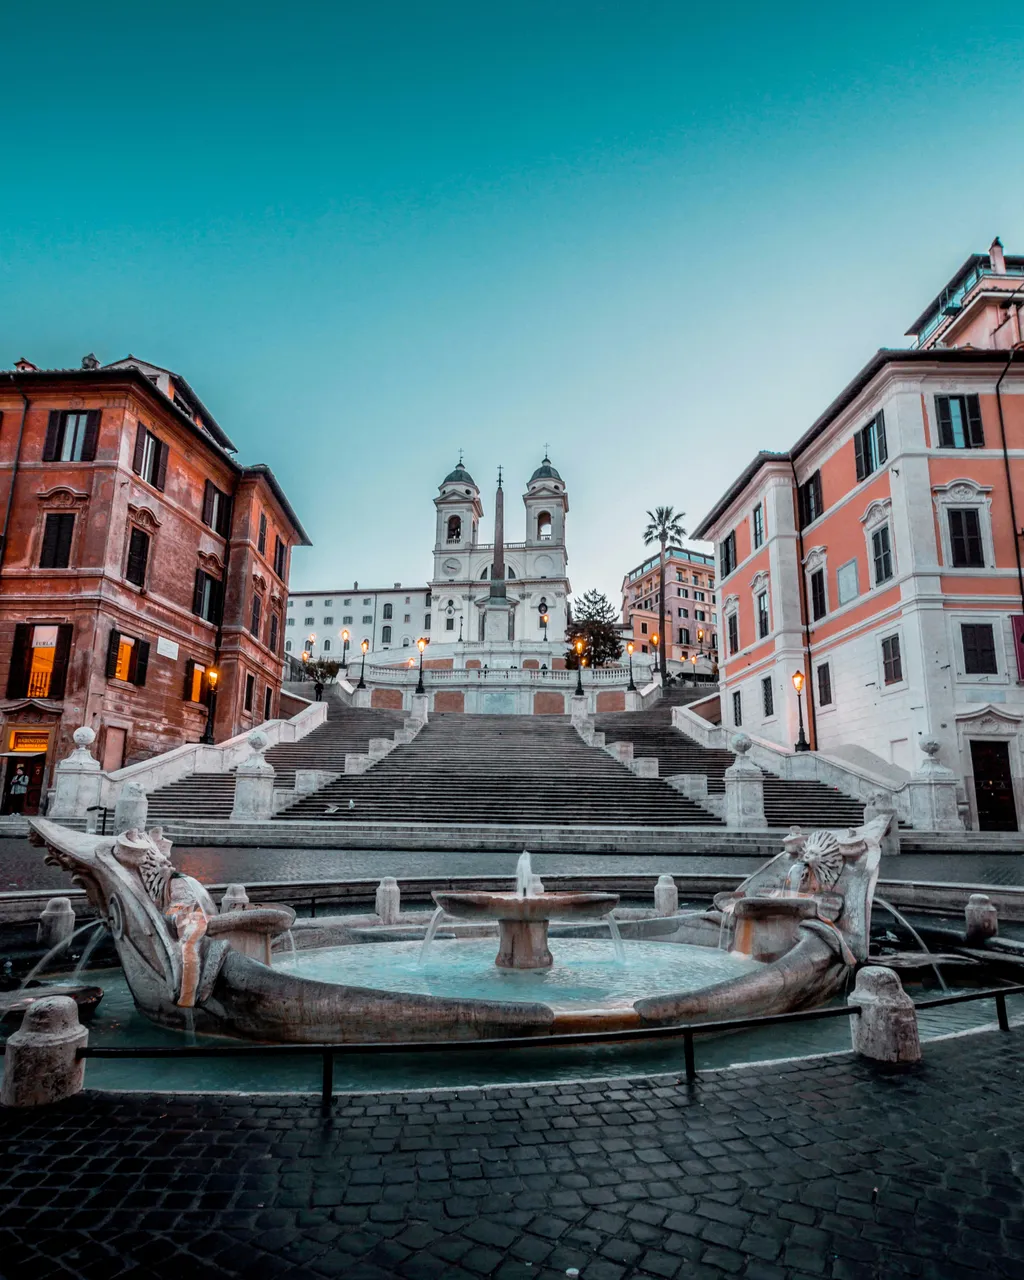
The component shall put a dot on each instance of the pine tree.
(594, 621)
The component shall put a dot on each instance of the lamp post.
(654, 646)
(631, 687)
(344, 651)
(421, 644)
(212, 676)
(544, 624)
(578, 646)
(362, 666)
(693, 662)
(798, 684)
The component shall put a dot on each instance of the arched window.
(287, 646)
(387, 611)
(327, 646)
(406, 642)
(454, 528)
(511, 573)
(544, 526)
(486, 573)
(385, 635)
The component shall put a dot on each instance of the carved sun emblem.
(823, 859)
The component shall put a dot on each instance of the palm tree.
(666, 525)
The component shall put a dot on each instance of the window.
(684, 594)
(809, 500)
(449, 624)
(544, 526)
(426, 622)
(255, 615)
(763, 623)
(250, 692)
(127, 658)
(268, 702)
(328, 620)
(643, 628)
(846, 582)
(309, 604)
(700, 615)
(733, 624)
(261, 540)
(758, 526)
(728, 555)
(892, 661)
(346, 603)
(346, 619)
(367, 600)
(767, 698)
(329, 603)
(979, 649)
(274, 628)
(150, 458)
(699, 595)
(818, 609)
(454, 532)
(881, 551)
(869, 448)
(57, 533)
(207, 597)
(308, 621)
(385, 635)
(406, 642)
(71, 435)
(280, 558)
(959, 422)
(327, 646)
(965, 545)
(683, 613)
(367, 619)
(824, 685)
(290, 622)
(39, 661)
(217, 509)
(287, 646)
(138, 557)
(407, 617)
(197, 687)
(737, 709)
(684, 635)
(387, 611)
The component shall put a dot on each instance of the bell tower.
(459, 511)
(546, 503)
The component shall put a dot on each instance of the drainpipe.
(14, 476)
(812, 715)
(219, 638)
(1006, 464)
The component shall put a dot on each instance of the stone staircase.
(808, 804)
(212, 795)
(500, 769)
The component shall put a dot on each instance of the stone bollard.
(131, 809)
(77, 779)
(666, 896)
(388, 900)
(56, 923)
(41, 1065)
(744, 789)
(254, 784)
(235, 899)
(980, 913)
(886, 1029)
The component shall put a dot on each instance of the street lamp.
(362, 666)
(693, 660)
(212, 677)
(421, 644)
(579, 668)
(344, 651)
(654, 646)
(631, 687)
(544, 624)
(798, 684)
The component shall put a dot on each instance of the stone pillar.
(622, 751)
(56, 923)
(254, 784)
(578, 709)
(418, 708)
(388, 900)
(645, 766)
(41, 1065)
(878, 806)
(933, 793)
(981, 919)
(235, 899)
(131, 809)
(666, 896)
(744, 789)
(77, 779)
(886, 1029)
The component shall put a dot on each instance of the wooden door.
(113, 748)
(993, 786)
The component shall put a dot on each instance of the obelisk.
(497, 615)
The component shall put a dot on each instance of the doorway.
(23, 783)
(113, 748)
(993, 786)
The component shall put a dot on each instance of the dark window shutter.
(59, 679)
(216, 600)
(138, 557)
(21, 661)
(883, 450)
(48, 555)
(224, 523)
(92, 435)
(273, 632)
(141, 662)
(197, 593)
(140, 449)
(858, 454)
(816, 489)
(113, 644)
(57, 534)
(160, 479)
(52, 435)
(208, 504)
(190, 668)
(261, 542)
(975, 433)
(945, 422)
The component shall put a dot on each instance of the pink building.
(691, 613)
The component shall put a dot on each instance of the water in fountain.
(795, 878)
(524, 874)
(87, 951)
(725, 926)
(901, 919)
(613, 929)
(289, 937)
(428, 937)
(190, 1025)
(55, 951)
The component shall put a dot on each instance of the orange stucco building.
(137, 555)
(691, 611)
(881, 557)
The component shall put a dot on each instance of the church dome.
(459, 476)
(545, 471)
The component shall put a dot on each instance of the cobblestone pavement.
(22, 867)
(827, 1167)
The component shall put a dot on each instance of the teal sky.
(654, 237)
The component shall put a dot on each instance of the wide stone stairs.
(786, 801)
(212, 795)
(500, 769)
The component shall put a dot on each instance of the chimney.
(25, 366)
(90, 362)
(397, 585)
(995, 253)
(355, 586)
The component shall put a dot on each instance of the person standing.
(17, 790)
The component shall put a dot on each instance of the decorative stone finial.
(740, 743)
(258, 740)
(930, 747)
(84, 736)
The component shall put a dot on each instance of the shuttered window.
(727, 555)
(733, 625)
(250, 691)
(39, 661)
(809, 500)
(818, 609)
(268, 702)
(892, 660)
(869, 447)
(261, 541)
(758, 526)
(965, 543)
(138, 557)
(767, 697)
(959, 419)
(58, 531)
(737, 709)
(979, 649)
(255, 616)
(881, 553)
(280, 558)
(763, 623)
(824, 685)
(127, 658)
(274, 628)
(216, 509)
(71, 435)
(197, 687)
(207, 597)
(150, 458)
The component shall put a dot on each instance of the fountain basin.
(523, 920)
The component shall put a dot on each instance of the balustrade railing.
(505, 675)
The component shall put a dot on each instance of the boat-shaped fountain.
(788, 937)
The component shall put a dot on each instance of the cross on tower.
(499, 477)
(546, 449)
(461, 452)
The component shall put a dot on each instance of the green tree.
(323, 670)
(595, 622)
(666, 525)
